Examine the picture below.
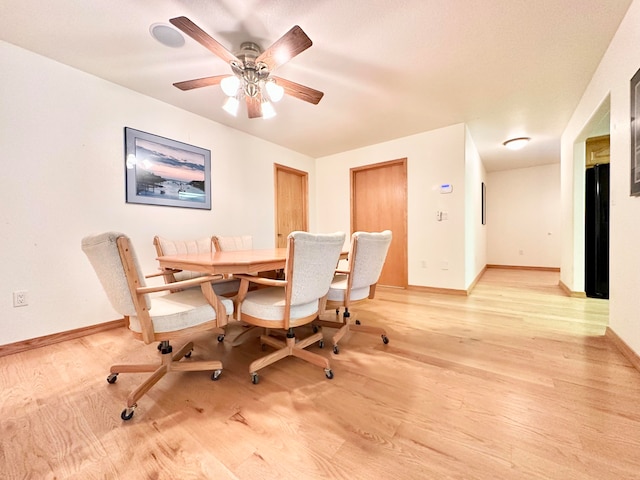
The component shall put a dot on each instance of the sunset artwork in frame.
(160, 171)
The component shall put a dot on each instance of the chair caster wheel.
(188, 354)
(216, 375)
(328, 373)
(127, 414)
(321, 343)
(254, 378)
(385, 340)
(220, 338)
(336, 350)
(112, 378)
(357, 322)
(314, 328)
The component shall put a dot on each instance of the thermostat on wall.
(446, 188)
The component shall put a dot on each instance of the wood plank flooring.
(515, 381)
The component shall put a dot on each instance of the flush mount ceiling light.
(251, 81)
(516, 143)
(166, 35)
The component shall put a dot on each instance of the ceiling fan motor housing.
(248, 70)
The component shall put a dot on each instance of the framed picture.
(635, 134)
(160, 171)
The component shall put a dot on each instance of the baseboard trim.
(625, 349)
(448, 291)
(570, 292)
(524, 267)
(476, 280)
(11, 348)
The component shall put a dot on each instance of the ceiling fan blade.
(294, 89)
(202, 37)
(285, 48)
(254, 107)
(199, 82)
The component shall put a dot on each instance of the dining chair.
(294, 301)
(238, 242)
(153, 317)
(225, 243)
(222, 285)
(357, 283)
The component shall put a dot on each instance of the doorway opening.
(596, 219)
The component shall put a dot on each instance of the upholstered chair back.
(314, 257)
(230, 243)
(165, 246)
(368, 259)
(104, 255)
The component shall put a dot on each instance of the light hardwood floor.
(515, 381)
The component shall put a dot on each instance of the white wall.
(523, 217)
(62, 140)
(476, 232)
(619, 64)
(433, 158)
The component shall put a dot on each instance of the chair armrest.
(181, 284)
(160, 274)
(261, 280)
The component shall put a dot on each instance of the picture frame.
(635, 134)
(161, 171)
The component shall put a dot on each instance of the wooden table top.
(236, 261)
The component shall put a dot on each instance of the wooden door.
(379, 202)
(291, 192)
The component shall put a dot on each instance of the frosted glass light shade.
(516, 143)
(275, 91)
(268, 111)
(229, 85)
(231, 106)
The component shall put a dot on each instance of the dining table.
(229, 261)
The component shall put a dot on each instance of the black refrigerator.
(597, 231)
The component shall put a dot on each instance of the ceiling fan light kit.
(252, 68)
(275, 91)
(230, 85)
(231, 106)
(516, 143)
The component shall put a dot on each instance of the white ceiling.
(388, 68)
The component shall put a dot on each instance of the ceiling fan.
(252, 71)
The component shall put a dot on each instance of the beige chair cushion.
(268, 304)
(180, 310)
(339, 289)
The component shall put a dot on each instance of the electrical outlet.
(20, 298)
